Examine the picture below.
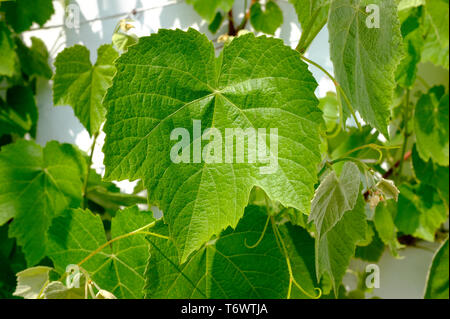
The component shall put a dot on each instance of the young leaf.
(227, 267)
(334, 197)
(267, 20)
(82, 85)
(365, 56)
(36, 185)
(178, 79)
(335, 248)
(31, 281)
(118, 267)
(312, 15)
(420, 212)
(373, 251)
(21, 14)
(431, 124)
(437, 280)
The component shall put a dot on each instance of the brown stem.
(231, 28)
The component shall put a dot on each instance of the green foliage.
(364, 58)
(82, 85)
(437, 281)
(244, 88)
(267, 19)
(230, 227)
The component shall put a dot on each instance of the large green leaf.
(312, 15)
(334, 197)
(421, 211)
(365, 59)
(36, 185)
(21, 14)
(437, 281)
(82, 85)
(438, 12)
(228, 268)
(8, 58)
(176, 79)
(119, 267)
(207, 9)
(335, 248)
(267, 19)
(432, 127)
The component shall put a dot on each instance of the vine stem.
(288, 262)
(88, 171)
(134, 232)
(338, 88)
(405, 132)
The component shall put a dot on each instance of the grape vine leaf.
(312, 15)
(118, 267)
(170, 79)
(36, 185)
(374, 250)
(227, 268)
(437, 279)
(20, 14)
(412, 34)
(408, 4)
(335, 248)
(82, 85)
(8, 58)
(431, 124)
(438, 12)
(207, 9)
(31, 281)
(34, 59)
(267, 19)
(420, 211)
(19, 113)
(334, 197)
(384, 224)
(431, 174)
(365, 58)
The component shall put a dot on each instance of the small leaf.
(431, 124)
(34, 59)
(387, 189)
(31, 281)
(82, 85)
(267, 20)
(57, 290)
(385, 226)
(421, 211)
(334, 197)
(207, 9)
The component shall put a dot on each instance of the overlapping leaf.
(227, 268)
(82, 85)
(267, 19)
(365, 57)
(8, 58)
(172, 78)
(36, 185)
(118, 268)
(207, 9)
